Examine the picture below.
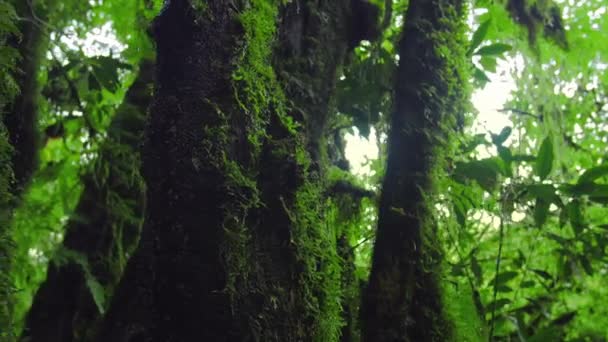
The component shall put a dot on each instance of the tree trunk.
(403, 299)
(18, 97)
(234, 245)
(22, 114)
(101, 234)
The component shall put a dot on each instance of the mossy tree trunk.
(24, 38)
(22, 115)
(102, 233)
(235, 245)
(402, 301)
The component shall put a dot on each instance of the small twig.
(367, 238)
(520, 112)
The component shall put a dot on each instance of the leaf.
(477, 271)
(593, 173)
(460, 212)
(563, 217)
(543, 274)
(105, 70)
(575, 213)
(544, 191)
(484, 172)
(544, 161)
(564, 319)
(478, 36)
(478, 139)
(498, 304)
(503, 278)
(596, 192)
(541, 211)
(97, 292)
(500, 138)
(494, 49)
(546, 334)
(562, 241)
(527, 284)
(504, 288)
(480, 76)
(488, 63)
(586, 264)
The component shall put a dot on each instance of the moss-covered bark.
(8, 90)
(21, 115)
(103, 232)
(403, 299)
(235, 246)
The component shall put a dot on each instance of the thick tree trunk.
(234, 246)
(103, 231)
(403, 299)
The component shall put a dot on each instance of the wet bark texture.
(234, 202)
(21, 116)
(103, 231)
(403, 300)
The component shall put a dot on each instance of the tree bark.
(234, 246)
(102, 233)
(403, 299)
(22, 114)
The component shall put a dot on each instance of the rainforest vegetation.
(199, 170)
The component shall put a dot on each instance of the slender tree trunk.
(234, 245)
(17, 131)
(102, 233)
(403, 299)
(22, 114)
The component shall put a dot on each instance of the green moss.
(8, 90)
(256, 88)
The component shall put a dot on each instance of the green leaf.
(575, 213)
(543, 274)
(500, 138)
(563, 217)
(480, 76)
(596, 192)
(498, 304)
(546, 334)
(544, 191)
(97, 292)
(541, 211)
(593, 173)
(586, 264)
(494, 49)
(484, 172)
(562, 241)
(504, 288)
(105, 70)
(527, 284)
(488, 63)
(564, 319)
(478, 139)
(503, 278)
(544, 161)
(477, 271)
(460, 212)
(478, 36)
